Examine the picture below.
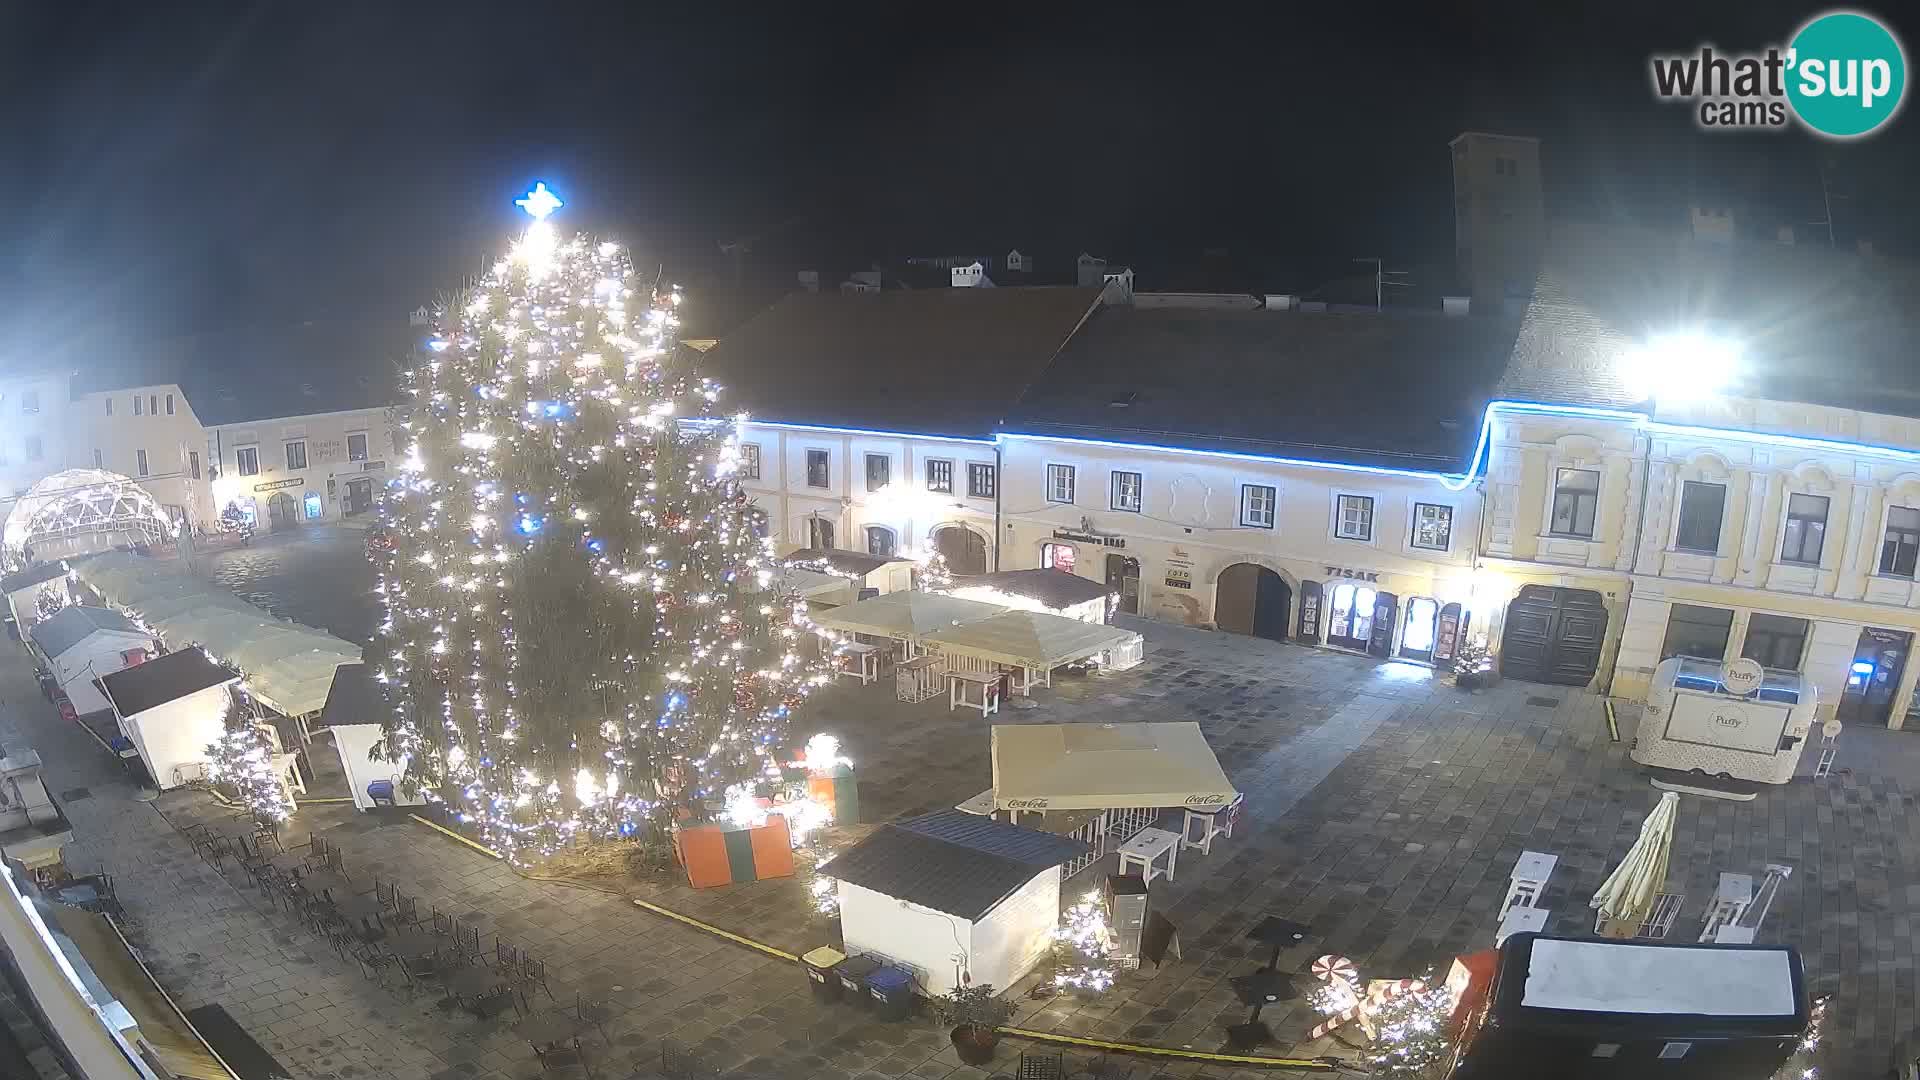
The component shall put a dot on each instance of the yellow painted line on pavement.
(1613, 726)
(481, 848)
(1169, 1052)
(712, 929)
(304, 801)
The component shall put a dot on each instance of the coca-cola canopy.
(1096, 766)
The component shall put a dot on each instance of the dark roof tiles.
(959, 863)
(163, 679)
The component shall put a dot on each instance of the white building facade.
(285, 472)
(151, 434)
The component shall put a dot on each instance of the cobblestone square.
(1384, 809)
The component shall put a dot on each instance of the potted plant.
(976, 1013)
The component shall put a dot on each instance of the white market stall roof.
(1096, 766)
(287, 666)
(909, 614)
(75, 623)
(805, 583)
(1033, 639)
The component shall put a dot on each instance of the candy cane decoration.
(1378, 990)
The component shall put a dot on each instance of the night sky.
(187, 168)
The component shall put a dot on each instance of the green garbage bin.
(821, 976)
(891, 991)
(853, 972)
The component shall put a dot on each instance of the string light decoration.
(243, 758)
(1081, 946)
(1803, 1064)
(931, 574)
(48, 604)
(1410, 1039)
(581, 637)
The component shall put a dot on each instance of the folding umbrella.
(1628, 893)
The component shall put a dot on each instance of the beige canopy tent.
(811, 585)
(1105, 766)
(1035, 641)
(906, 616)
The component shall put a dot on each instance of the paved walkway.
(1383, 809)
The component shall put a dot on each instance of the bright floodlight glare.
(1680, 367)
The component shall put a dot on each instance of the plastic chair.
(467, 939)
(534, 972)
(595, 1013)
(1043, 1067)
(406, 911)
(505, 957)
(443, 922)
(381, 792)
(563, 1057)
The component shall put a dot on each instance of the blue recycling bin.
(891, 991)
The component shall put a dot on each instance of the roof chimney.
(969, 276)
(1455, 305)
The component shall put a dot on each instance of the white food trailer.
(1736, 721)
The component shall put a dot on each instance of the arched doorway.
(1251, 599)
(281, 512)
(1553, 635)
(965, 550)
(1123, 577)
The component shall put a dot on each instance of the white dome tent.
(79, 511)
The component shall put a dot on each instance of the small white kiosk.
(1735, 721)
(172, 708)
(352, 715)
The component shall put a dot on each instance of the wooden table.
(917, 679)
(360, 909)
(414, 944)
(1146, 846)
(1520, 920)
(866, 661)
(332, 886)
(547, 1029)
(474, 981)
(958, 681)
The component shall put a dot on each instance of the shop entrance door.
(1553, 635)
(359, 496)
(280, 511)
(1878, 662)
(1350, 614)
(1123, 577)
(1423, 623)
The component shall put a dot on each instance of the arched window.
(880, 541)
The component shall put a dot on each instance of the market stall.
(905, 617)
(23, 589)
(1033, 643)
(1617, 1008)
(172, 708)
(1735, 721)
(1055, 592)
(83, 643)
(352, 716)
(952, 898)
(856, 569)
(820, 590)
(1124, 774)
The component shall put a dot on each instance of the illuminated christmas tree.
(242, 758)
(579, 641)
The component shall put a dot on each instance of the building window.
(1126, 492)
(1899, 549)
(1697, 631)
(819, 534)
(880, 541)
(34, 450)
(109, 406)
(30, 401)
(169, 404)
(139, 406)
(1256, 505)
(99, 461)
(153, 404)
(1775, 641)
(1354, 519)
(140, 462)
(247, 460)
(980, 480)
(1576, 495)
(1058, 557)
(749, 461)
(1701, 506)
(1806, 529)
(879, 471)
(818, 467)
(1060, 483)
(193, 464)
(1432, 526)
(357, 447)
(296, 455)
(940, 475)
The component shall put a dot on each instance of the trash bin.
(853, 972)
(892, 992)
(821, 976)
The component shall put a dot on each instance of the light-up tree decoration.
(243, 758)
(579, 638)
